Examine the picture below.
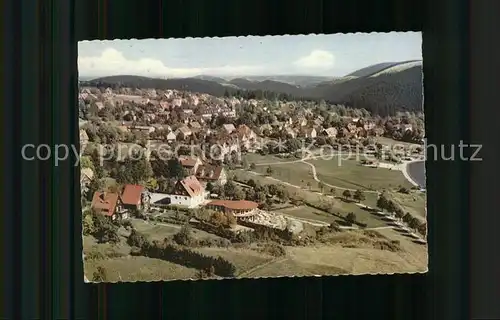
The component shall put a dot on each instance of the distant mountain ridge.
(376, 68)
(294, 80)
(384, 88)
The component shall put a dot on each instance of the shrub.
(184, 236)
(404, 190)
(219, 242)
(387, 245)
(127, 224)
(334, 226)
(136, 239)
(100, 275)
(244, 237)
(94, 255)
(351, 217)
(273, 249)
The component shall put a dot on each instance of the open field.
(120, 266)
(351, 254)
(343, 208)
(295, 173)
(287, 267)
(357, 260)
(335, 171)
(412, 252)
(258, 158)
(414, 203)
(159, 231)
(350, 174)
(131, 269)
(244, 259)
(340, 206)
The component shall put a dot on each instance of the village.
(236, 186)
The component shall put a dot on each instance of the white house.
(171, 136)
(188, 192)
(86, 176)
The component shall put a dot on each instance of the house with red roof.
(190, 163)
(135, 197)
(188, 192)
(108, 204)
(213, 174)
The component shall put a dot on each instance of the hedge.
(188, 258)
(262, 232)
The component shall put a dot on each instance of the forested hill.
(385, 88)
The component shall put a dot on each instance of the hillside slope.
(186, 84)
(391, 88)
(294, 80)
(266, 85)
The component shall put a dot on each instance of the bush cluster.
(188, 258)
(273, 249)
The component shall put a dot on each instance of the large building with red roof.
(236, 207)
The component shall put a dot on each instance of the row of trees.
(385, 203)
(257, 192)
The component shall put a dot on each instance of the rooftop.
(235, 204)
(105, 202)
(132, 194)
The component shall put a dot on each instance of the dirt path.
(315, 176)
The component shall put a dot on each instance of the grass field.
(310, 194)
(139, 269)
(415, 202)
(302, 193)
(337, 172)
(120, 266)
(350, 174)
(343, 208)
(258, 158)
(159, 231)
(293, 268)
(243, 259)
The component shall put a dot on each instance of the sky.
(315, 55)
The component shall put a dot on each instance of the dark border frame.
(484, 217)
(46, 221)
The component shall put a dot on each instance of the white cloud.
(112, 62)
(316, 59)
